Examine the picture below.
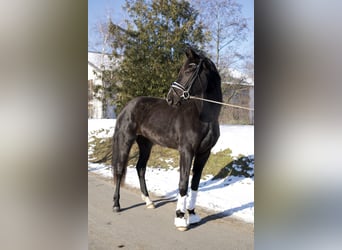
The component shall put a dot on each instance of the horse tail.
(119, 165)
(123, 139)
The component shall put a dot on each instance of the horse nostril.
(169, 101)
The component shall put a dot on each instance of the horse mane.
(210, 111)
(215, 79)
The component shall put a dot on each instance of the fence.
(237, 94)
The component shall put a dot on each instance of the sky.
(100, 10)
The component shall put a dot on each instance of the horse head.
(197, 77)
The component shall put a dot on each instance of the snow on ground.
(230, 196)
(239, 138)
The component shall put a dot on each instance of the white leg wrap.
(192, 200)
(149, 203)
(181, 203)
(181, 224)
(192, 218)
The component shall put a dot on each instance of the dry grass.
(219, 165)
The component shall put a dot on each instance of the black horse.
(179, 122)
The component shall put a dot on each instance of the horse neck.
(209, 112)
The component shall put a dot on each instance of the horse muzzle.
(172, 98)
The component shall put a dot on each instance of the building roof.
(99, 60)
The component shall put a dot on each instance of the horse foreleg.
(200, 161)
(185, 166)
(180, 220)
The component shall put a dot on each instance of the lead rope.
(221, 103)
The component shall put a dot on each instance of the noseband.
(188, 85)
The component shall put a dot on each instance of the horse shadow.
(132, 206)
(163, 201)
(220, 180)
(230, 173)
(157, 203)
(209, 218)
(221, 215)
(213, 184)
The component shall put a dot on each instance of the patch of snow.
(230, 196)
(239, 138)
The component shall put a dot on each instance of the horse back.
(168, 126)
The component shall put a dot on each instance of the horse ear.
(191, 53)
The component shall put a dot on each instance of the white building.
(96, 108)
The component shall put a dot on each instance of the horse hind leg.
(121, 148)
(145, 147)
(199, 162)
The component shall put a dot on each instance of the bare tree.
(100, 34)
(227, 27)
(249, 68)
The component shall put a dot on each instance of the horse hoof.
(182, 229)
(151, 206)
(116, 209)
(181, 224)
(149, 203)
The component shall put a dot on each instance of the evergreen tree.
(151, 47)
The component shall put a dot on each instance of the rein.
(221, 103)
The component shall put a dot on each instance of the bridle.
(188, 85)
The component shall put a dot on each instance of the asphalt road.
(137, 227)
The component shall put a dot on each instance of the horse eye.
(191, 67)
